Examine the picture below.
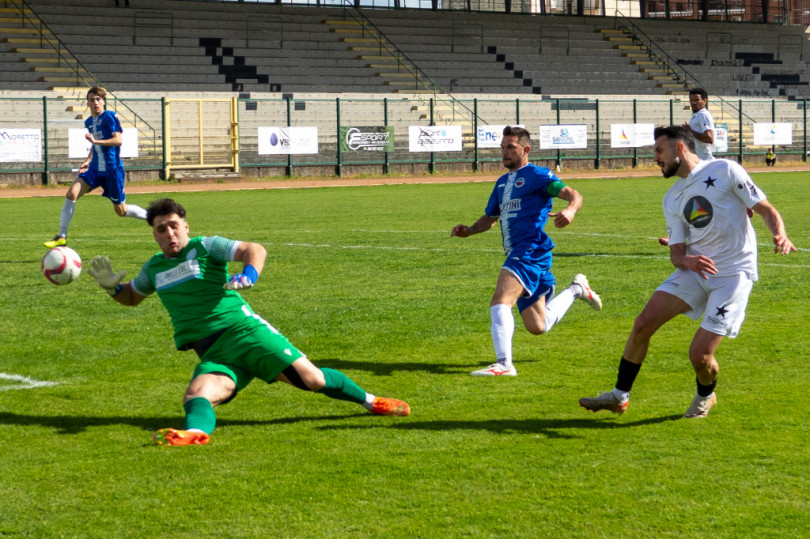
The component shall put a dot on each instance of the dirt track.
(59, 190)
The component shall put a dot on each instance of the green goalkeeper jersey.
(190, 287)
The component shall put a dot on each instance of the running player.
(522, 201)
(102, 168)
(713, 248)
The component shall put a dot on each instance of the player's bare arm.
(127, 296)
(773, 220)
(252, 254)
(483, 224)
(700, 264)
(565, 216)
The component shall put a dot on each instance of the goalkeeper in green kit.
(209, 316)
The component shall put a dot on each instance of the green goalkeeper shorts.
(246, 351)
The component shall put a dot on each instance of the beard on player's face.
(671, 169)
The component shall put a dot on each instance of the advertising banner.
(288, 140)
(489, 136)
(79, 146)
(720, 138)
(20, 145)
(556, 137)
(773, 134)
(367, 139)
(631, 135)
(443, 138)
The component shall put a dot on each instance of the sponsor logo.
(366, 140)
(433, 137)
(190, 269)
(275, 140)
(564, 137)
(5, 135)
(698, 212)
(510, 205)
(520, 182)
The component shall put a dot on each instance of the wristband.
(250, 272)
(114, 291)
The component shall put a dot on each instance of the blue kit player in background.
(522, 201)
(102, 168)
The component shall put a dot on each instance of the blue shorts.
(111, 181)
(533, 270)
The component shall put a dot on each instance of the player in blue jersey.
(102, 168)
(522, 201)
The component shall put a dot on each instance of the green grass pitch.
(368, 281)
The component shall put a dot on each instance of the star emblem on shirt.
(709, 182)
(721, 311)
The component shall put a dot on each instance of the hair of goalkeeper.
(164, 206)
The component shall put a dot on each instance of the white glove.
(102, 272)
(246, 279)
(238, 282)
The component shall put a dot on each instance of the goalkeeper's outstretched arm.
(101, 270)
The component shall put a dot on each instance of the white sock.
(67, 214)
(502, 329)
(558, 306)
(136, 212)
(369, 402)
(621, 395)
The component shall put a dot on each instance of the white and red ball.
(61, 265)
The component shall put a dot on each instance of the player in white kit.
(713, 246)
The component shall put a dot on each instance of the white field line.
(24, 382)
(499, 251)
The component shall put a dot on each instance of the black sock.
(705, 391)
(627, 375)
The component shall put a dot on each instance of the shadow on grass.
(68, 424)
(387, 369)
(550, 428)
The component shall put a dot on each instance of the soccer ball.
(61, 265)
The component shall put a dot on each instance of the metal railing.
(64, 55)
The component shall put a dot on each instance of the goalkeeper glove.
(102, 272)
(246, 279)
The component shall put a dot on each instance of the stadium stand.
(178, 45)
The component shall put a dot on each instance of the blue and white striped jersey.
(522, 202)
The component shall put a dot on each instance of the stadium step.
(401, 74)
(361, 31)
(389, 66)
(48, 60)
(14, 10)
(25, 31)
(30, 40)
(360, 40)
(19, 20)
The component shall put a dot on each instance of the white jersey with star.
(707, 211)
(701, 122)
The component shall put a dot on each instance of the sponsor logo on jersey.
(190, 269)
(510, 205)
(698, 212)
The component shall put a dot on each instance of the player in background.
(714, 250)
(701, 125)
(235, 345)
(102, 168)
(522, 201)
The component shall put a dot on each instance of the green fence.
(55, 116)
